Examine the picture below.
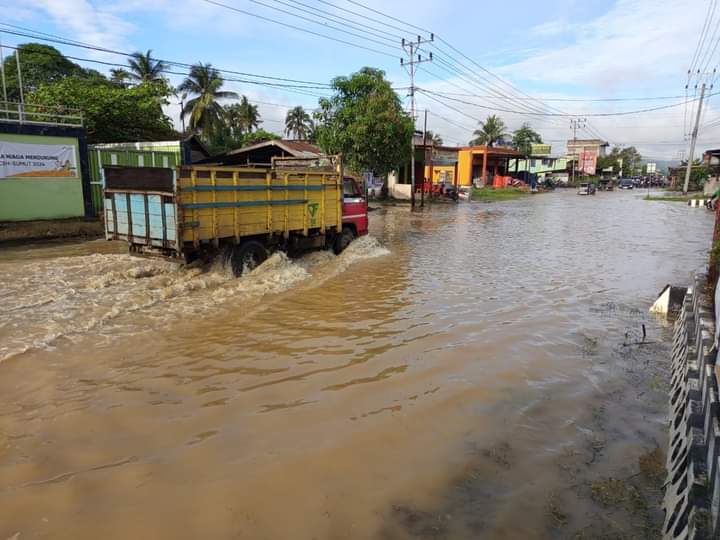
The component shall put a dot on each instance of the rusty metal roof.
(292, 147)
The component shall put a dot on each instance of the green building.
(540, 162)
(43, 165)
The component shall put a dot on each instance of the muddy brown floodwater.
(466, 372)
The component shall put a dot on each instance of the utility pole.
(693, 140)
(20, 85)
(575, 124)
(2, 75)
(422, 190)
(411, 47)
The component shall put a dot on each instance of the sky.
(514, 59)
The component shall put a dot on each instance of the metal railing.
(28, 113)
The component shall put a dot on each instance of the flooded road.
(466, 372)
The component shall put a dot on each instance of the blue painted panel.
(258, 187)
(120, 202)
(243, 203)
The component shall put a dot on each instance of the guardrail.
(28, 113)
(692, 493)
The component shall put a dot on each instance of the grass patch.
(674, 198)
(488, 194)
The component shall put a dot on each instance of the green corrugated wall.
(100, 157)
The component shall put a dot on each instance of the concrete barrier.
(692, 492)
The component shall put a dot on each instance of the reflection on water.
(465, 372)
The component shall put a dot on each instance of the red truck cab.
(354, 207)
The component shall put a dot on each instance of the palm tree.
(298, 123)
(143, 68)
(243, 117)
(206, 114)
(491, 131)
(119, 76)
(433, 138)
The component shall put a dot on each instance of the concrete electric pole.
(411, 47)
(575, 124)
(693, 140)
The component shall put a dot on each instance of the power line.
(701, 38)
(394, 38)
(607, 114)
(389, 16)
(299, 28)
(65, 41)
(288, 87)
(324, 25)
(583, 100)
(451, 122)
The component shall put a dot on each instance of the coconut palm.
(433, 138)
(243, 117)
(144, 68)
(298, 123)
(206, 114)
(491, 131)
(119, 76)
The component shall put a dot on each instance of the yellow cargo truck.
(241, 213)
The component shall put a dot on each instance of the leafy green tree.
(626, 160)
(699, 174)
(365, 121)
(298, 123)
(207, 116)
(524, 138)
(259, 136)
(40, 64)
(491, 131)
(111, 113)
(142, 67)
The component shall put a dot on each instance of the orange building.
(465, 164)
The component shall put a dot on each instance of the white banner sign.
(18, 160)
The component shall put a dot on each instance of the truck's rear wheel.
(247, 257)
(343, 240)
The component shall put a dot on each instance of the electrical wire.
(52, 38)
(608, 114)
(299, 28)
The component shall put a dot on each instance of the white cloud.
(82, 21)
(635, 40)
(551, 28)
(637, 48)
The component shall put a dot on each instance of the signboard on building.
(588, 162)
(540, 149)
(444, 157)
(28, 160)
(651, 168)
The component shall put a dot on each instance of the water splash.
(113, 295)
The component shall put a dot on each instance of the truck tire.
(343, 240)
(247, 256)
